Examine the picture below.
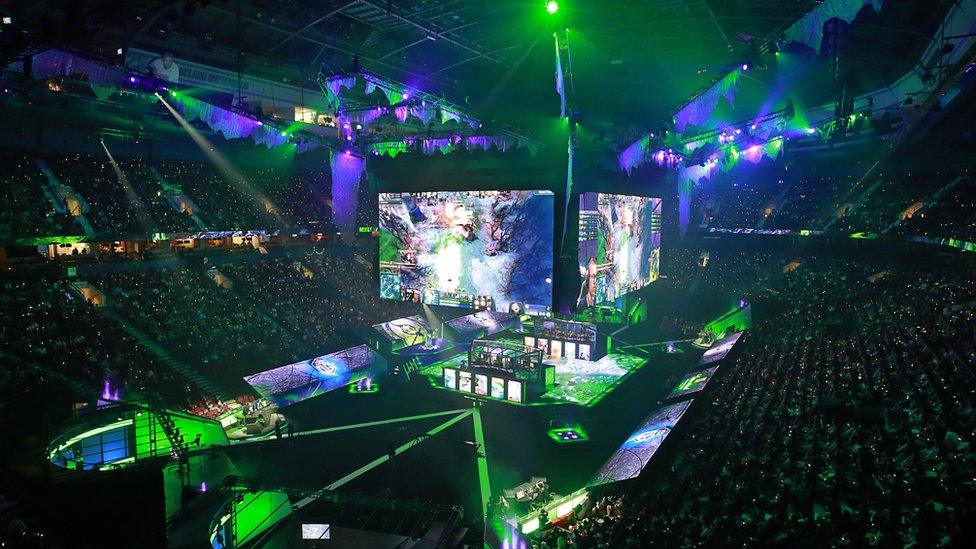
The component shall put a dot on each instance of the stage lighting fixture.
(552, 7)
(8, 20)
(745, 66)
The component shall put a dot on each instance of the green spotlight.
(552, 7)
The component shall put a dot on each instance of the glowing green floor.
(585, 383)
(577, 381)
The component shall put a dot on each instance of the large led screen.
(310, 378)
(476, 249)
(719, 349)
(632, 456)
(620, 245)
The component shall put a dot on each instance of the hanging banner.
(103, 78)
(700, 110)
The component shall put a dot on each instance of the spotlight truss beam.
(425, 39)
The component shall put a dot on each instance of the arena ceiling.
(633, 60)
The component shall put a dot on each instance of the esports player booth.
(557, 339)
(501, 370)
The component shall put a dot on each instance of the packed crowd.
(26, 210)
(934, 203)
(733, 272)
(329, 298)
(846, 421)
(134, 198)
(200, 322)
(52, 337)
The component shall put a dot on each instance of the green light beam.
(381, 460)
(364, 425)
(483, 481)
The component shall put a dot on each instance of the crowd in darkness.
(935, 203)
(200, 322)
(52, 337)
(148, 198)
(847, 420)
(26, 211)
(56, 350)
(330, 298)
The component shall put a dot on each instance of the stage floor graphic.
(586, 383)
(577, 381)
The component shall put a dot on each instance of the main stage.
(417, 441)
(581, 382)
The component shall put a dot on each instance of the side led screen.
(693, 383)
(632, 456)
(720, 349)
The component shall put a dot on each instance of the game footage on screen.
(620, 245)
(474, 249)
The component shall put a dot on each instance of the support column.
(347, 171)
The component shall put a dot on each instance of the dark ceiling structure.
(633, 60)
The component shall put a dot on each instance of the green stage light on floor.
(568, 435)
(552, 7)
